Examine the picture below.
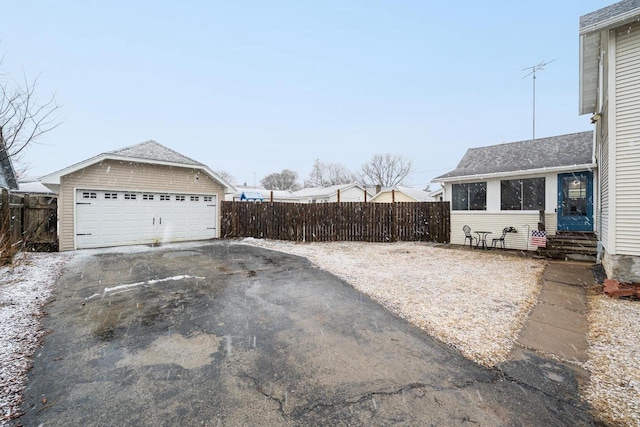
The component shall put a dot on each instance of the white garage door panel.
(108, 218)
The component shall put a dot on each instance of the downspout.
(598, 129)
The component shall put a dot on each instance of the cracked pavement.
(242, 336)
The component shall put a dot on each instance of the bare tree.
(22, 118)
(326, 174)
(285, 180)
(226, 176)
(385, 170)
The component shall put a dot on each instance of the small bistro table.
(482, 238)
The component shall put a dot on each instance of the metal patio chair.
(468, 236)
(500, 240)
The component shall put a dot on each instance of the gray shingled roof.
(555, 151)
(594, 19)
(151, 150)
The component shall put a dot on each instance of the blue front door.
(575, 201)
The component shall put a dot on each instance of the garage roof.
(145, 152)
(151, 150)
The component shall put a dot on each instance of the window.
(147, 197)
(522, 194)
(110, 196)
(129, 196)
(89, 195)
(470, 197)
(179, 198)
(165, 197)
(194, 198)
(207, 198)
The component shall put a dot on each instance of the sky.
(255, 87)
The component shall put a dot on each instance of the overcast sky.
(254, 87)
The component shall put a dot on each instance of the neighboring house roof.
(591, 25)
(414, 193)
(33, 186)
(525, 156)
(325, 191)
(437, 193)
(145, 152)
(8, 178)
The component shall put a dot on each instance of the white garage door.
(116, 218)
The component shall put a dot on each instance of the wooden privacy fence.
(346, 221)
(27, 221)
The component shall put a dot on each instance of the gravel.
(614, 360)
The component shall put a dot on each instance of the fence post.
(5, 229)
(394, 221)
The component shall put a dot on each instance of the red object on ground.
(615, 289)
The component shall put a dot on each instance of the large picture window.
(470, 197)
(522, 194)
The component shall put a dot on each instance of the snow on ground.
(614, 360)
(476, 301)
(24, 289)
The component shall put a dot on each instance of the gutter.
(538, 171)
(621, 19)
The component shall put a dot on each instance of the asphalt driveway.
(224, 334)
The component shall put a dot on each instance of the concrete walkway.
(556, 330)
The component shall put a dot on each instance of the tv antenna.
(532, 72)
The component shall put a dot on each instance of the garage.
(116, 218)
(142, 194)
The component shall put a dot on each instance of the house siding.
(398, 197)
(495, 222)
(494, 219)
(627, 148)
(128, 176)
(603, 171)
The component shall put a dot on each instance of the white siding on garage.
(627, 149)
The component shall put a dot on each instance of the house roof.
(145, 152)
(33, 187)
(324, 191)
(525, 156)
(415, 193)
(8, 178)
(591, 26)
(609, 16)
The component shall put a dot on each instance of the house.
(438, 195)
(609, 91)
(143, 194)
(333, 193)
(507, 185)
(244, 193)
(401, 194)
(31, 185)
(8, 178)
